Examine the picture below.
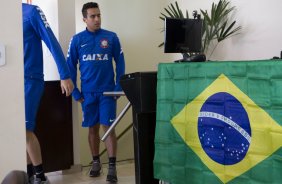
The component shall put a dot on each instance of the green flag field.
(219, 122)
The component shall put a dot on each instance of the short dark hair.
(87, 6)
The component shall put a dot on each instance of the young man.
(94, 49)
(35, 29)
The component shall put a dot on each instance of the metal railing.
(117, 120)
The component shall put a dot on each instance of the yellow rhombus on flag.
(218, 145)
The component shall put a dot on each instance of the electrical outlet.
(2, 55)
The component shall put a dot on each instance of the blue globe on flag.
(224, 129)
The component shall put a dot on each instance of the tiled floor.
(126, 175)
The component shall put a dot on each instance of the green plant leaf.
(169, 13)
(175, 12)
(179, 10)
(215, 24)
(206, 17)
(161, 45)
(228, 32)
(187, 15)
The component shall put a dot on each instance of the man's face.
(93, 19)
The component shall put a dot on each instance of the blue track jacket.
(94, 52)
(35, 29)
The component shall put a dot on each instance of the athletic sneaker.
(95, 169)
(112, 174)
(31, 179)
(38, 181)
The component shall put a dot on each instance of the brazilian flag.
(219, 122)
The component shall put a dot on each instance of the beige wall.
(12, 128)
(66, 27)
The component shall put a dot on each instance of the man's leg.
(94, 139)
(33, 148)
(30, 169)
(33, 92)
(111, 144)
(94, 143)
(107, 114)
(34, 153)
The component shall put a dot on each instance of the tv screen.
(183, 35)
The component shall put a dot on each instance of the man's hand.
(81, 100)
(67, 86)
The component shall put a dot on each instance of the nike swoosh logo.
(83, 45)
(112, 120)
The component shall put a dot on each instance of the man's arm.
(43, 29)
(120, 63)
(72, 61)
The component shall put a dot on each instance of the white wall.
(260, 36)
(12, 126)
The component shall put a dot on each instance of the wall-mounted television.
(183, 35)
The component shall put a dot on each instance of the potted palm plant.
(217, 25)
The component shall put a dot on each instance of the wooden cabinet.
(54, 128)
